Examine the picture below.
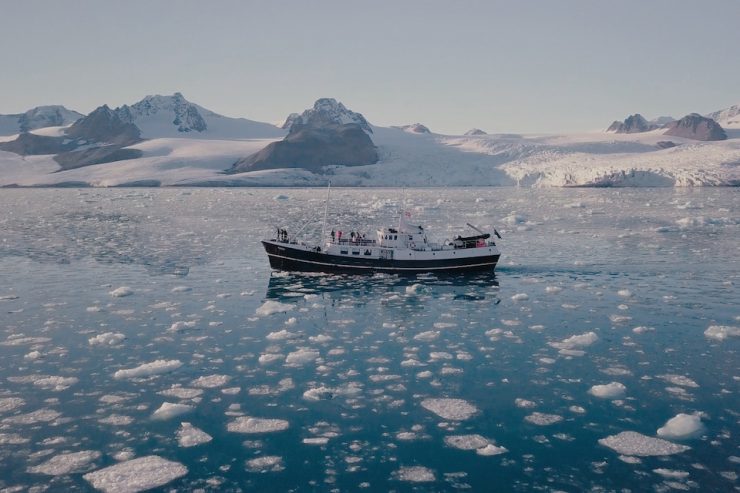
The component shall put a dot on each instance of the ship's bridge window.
(395, 237)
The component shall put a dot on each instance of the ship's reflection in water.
(284, 286)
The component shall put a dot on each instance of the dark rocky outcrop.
(104, 126)
(665, 144)
(697, 127)
(32, 145)
(97, 138)
(632, 124)
(328, 134)
(313, 147)
(95, 155)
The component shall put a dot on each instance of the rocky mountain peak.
(475, 131)
(632, 124)
(185, 115)
(326, 111)
(697, 127)
(47, 116)
(415, 128)
(104, 125)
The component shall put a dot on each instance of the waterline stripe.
(384, 268)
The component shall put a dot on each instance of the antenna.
(478, 230)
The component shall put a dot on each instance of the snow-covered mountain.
(38, 117)
(728, 117)
(174, 116)
(326, 111)
(414, 128)
(186, 158)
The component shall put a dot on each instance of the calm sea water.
(94, 283)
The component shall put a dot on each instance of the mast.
(403, 210)
(326, 211)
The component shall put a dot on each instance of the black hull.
(283, 257)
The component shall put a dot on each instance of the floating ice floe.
(107, 339)
(625, 293)
(156, 367)
(267, 463)
(136, 475)
(524, 403)
(427, 336)
(613, 390)
(116, 420)
(491, 449)
(637, 444)
(721, 332)
(327, 393)
(43, 415)
(301, 357)
(247, 424)
(480, 444)
(55, 383)
(169, 410)
(13, 439)
(182, 325)
(190, 436)
(181, 289)
(210, 381)
(520, 297)
(416, 289)
(451, 409)
(671, 473)
(32, 356)
(266, 359)
(181, 392)
(553, 289)
(10, 403)
(415, 474)
(21, 340)
(316, 441)
(121, 292)
(543, 419)
(576, 341)
(68, 463)
(281, 335)
(679, 380)
(270, 307)
(682, 426)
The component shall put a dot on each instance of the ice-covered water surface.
(142, 328)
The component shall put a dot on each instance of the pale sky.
(502, 66)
